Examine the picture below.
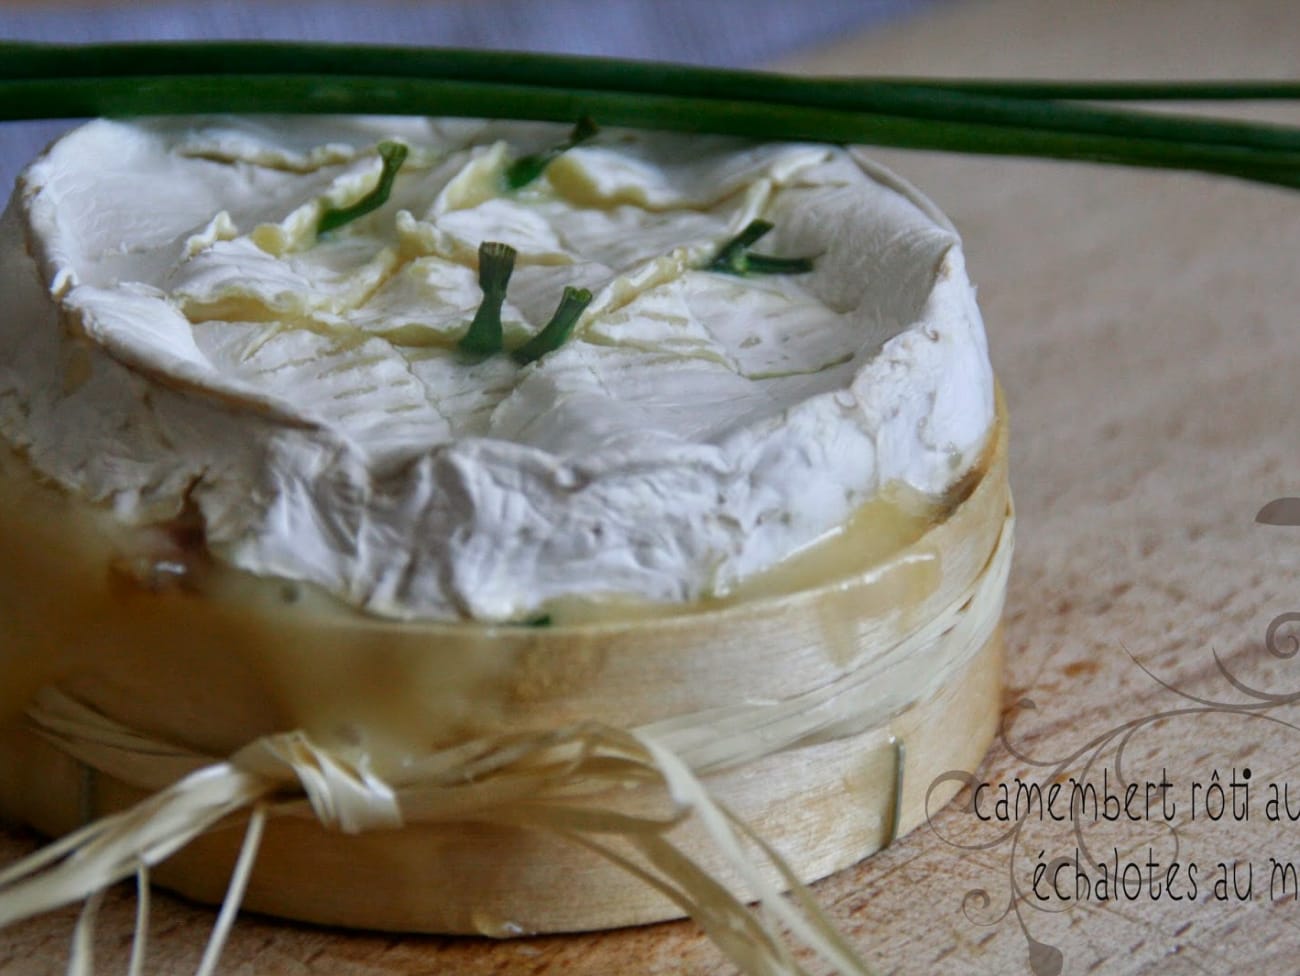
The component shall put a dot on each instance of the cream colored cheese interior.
(176, 339)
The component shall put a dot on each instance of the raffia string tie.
(554, 780)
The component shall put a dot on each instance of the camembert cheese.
(180, 343)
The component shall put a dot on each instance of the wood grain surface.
(1144, 326)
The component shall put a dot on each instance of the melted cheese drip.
(61, 558)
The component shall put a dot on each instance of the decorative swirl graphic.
(1272, 640)
(1281, 640)
(1280, 511)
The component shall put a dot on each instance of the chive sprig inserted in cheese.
(179, 337)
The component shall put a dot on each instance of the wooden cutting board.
(1146, 327)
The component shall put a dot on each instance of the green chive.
(496, 262)
(393, 154)
(528, 168)
(735, 257)
(556, 331)
(766, 264)
(1037, 119)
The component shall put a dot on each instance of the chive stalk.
(528, 168)
(135, 95)
(1006, 118)
(22, 59)
(485, 336)
(557, 330)
(392, 154)
(736, 258)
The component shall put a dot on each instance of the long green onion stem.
(1123, 91)
(20, 59)
(557, 330)
(485, 336)
(1007, 118)
(392, 154)
(736, 258)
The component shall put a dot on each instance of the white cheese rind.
(173, 333)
